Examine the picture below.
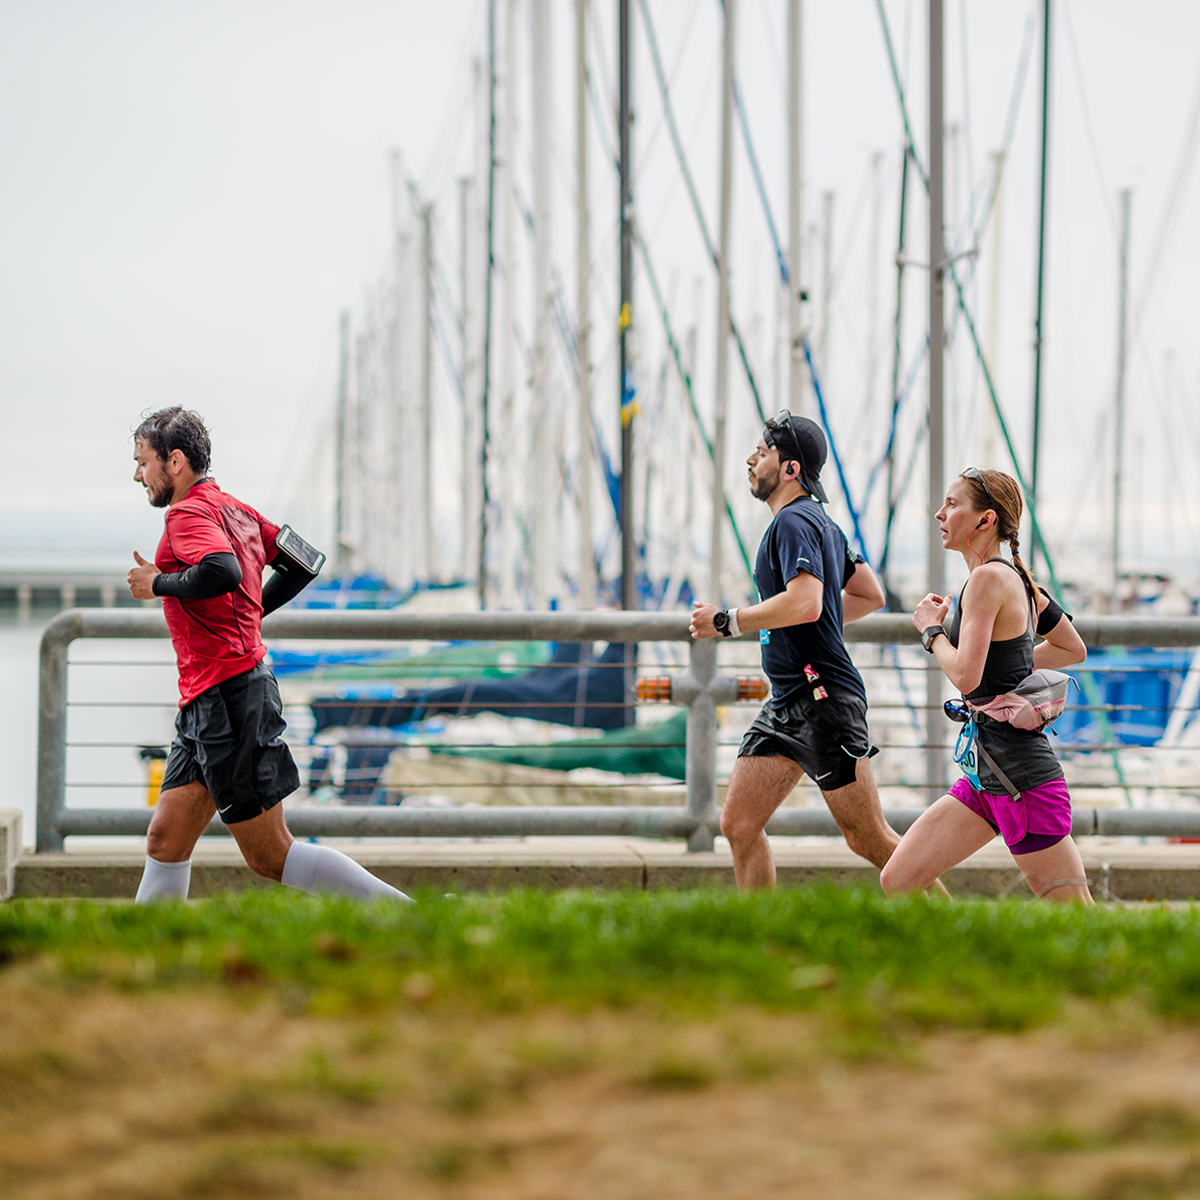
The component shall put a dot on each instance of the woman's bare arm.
(1063, 646)
(963, 665)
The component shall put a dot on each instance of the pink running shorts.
(1037, 820)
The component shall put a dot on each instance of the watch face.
(721, 620)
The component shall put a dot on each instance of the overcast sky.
(193, 192)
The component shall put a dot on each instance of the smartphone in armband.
(297, 553)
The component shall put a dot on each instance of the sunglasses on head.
(779, 428)
(976, 476)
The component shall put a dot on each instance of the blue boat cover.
(572, 689)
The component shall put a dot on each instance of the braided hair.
(1001, 493)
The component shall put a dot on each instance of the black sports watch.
(927, 636)
(721, 622)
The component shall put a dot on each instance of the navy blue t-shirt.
(812, 655)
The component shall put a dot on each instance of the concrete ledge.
(442, 866)
(115, 876)
(10, 848)
(1117, 870)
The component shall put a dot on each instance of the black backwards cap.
(799, 440)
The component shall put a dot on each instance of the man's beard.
(159, 498)
(764, 486)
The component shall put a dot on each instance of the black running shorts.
(230, 738)
(826, 737)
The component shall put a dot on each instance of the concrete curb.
(1116, 870)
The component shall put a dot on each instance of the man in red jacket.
(228, 755)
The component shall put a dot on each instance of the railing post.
(52, 729)
(701, 753)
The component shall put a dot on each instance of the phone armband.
(297, 553)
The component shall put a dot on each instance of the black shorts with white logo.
(230, 739)
(826, 737)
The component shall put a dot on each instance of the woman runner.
(987, 650)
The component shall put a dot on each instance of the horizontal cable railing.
(672, 668)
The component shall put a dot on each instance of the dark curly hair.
(176, 428)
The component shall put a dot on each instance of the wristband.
(734, 630)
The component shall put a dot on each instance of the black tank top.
(1023, 755)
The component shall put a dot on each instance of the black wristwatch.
(927, 636)
(721, 622)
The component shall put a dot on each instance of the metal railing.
(701, 690)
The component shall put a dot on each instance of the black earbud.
(791, 471)
(981, 523)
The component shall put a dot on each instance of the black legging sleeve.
(284, 584)
(213, 575)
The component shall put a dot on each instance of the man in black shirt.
(810, 583)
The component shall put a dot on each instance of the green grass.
(859, 958)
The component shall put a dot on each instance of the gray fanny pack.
(1037, 701)
(1032, 705)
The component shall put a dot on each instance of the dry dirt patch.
(105, 1094)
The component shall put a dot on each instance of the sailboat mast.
(339, 449)
(873, 280)
(723, 330)
(587, 569)
(427, 391)
(994, 279)
(1119, 432)
(544, 490)
(485, 396)
(826, 285)
(1041, 267)
(360, 546)
(794, 161)
(466, 321)
(405, 541)
(935, 758)
(505, 193)
(625, 374)
(898, 327)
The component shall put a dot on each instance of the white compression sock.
(316, 869)
(164, 881)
